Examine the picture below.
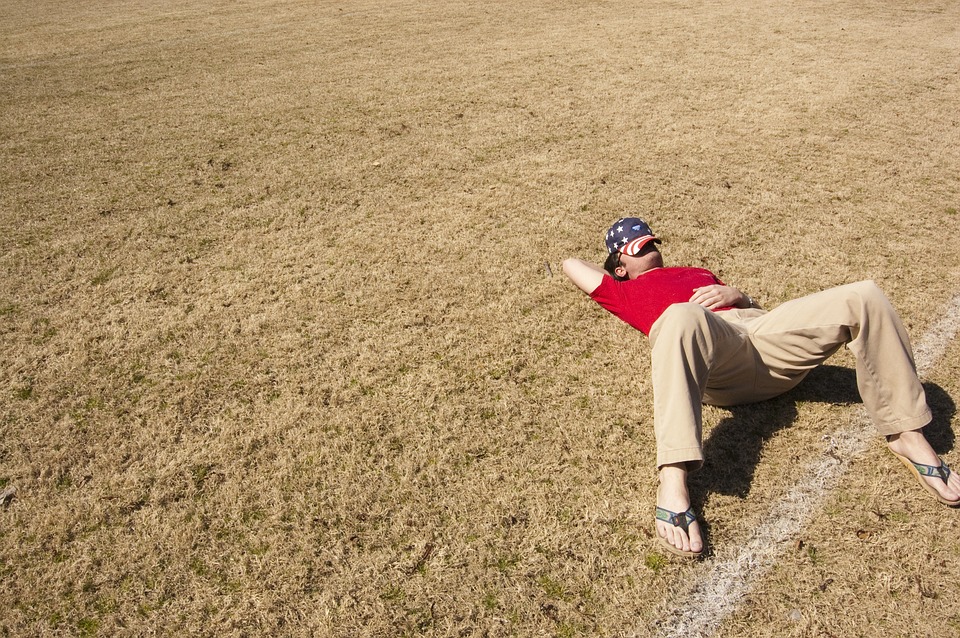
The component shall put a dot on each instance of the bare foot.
(916, 448)
(672, 495)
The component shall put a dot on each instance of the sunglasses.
(647, 248)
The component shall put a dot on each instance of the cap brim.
(634, 246)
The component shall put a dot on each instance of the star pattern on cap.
(622, 233)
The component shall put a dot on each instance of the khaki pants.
(741, 356)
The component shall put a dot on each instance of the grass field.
(286, 349)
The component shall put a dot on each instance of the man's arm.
(720, 296)
(585, 275)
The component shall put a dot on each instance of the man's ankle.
(673, 478)
(673, 469)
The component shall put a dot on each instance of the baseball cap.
(628, 235)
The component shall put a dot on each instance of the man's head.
(631, 248)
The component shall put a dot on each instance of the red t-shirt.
(641, 301)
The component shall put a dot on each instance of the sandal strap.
(941, 471)
(681, 519)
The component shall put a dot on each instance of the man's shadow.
(732, 449)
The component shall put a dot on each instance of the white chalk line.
(722, 586)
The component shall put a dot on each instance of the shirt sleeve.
(609, 295)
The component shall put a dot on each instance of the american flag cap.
(628, 235)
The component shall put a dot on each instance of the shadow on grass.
(732, 449)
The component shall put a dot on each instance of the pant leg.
(799, 335)
(689, 345)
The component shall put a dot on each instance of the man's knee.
(868, 288)
(870, 294)
(680, 319)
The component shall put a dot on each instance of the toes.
(696, 544)
(667, 532)
(953, 482)
(952, 488)
(680, 541)
(949, 491)
(674, 536)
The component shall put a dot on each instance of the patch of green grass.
(106, 605)
(655, 562)
(253, 515)
(506, 563)
(954, 622)
(103, 276)
(490, 601)
(198, 567)
(43, 331)
(552, 588)
(88, 626)
(501, 371)
(393, 593)
(199, 472)
(899, 517)
(951, 210)
(421, 622)
(569, 630)
(832, 510)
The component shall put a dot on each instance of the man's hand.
(717, 296)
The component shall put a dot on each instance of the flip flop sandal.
(681, 520)
(919, 470)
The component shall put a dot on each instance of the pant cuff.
(692, 456)
(905, 425)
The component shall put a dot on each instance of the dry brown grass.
(285, 348)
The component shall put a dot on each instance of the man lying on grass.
(712, 344)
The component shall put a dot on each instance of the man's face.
(647, 259)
